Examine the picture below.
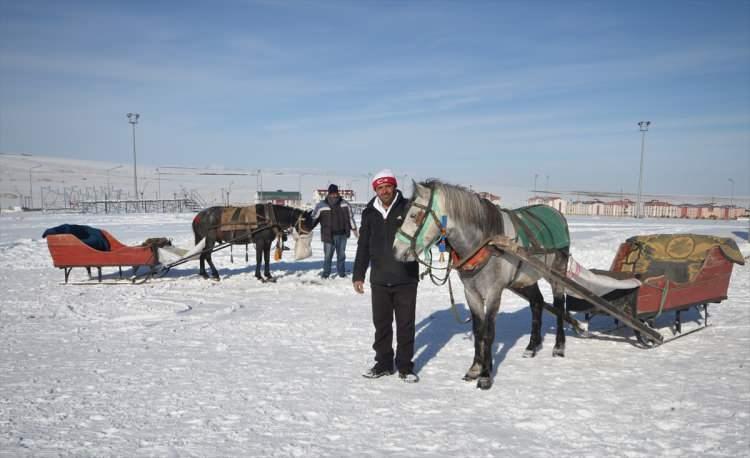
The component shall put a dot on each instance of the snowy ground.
(182, 366)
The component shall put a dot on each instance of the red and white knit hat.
(385, 176)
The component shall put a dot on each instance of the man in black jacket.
(336, 223)
(393, 283)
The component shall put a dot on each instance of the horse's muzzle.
(402, 253)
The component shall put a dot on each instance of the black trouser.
(388, 301)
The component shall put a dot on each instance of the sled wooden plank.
(510, 248)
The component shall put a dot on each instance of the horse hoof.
(204, 275)
(473, 373)
(216, 278)
(531, 352)
(484, 383)
(558, 352)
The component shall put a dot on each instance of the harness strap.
(473, 262)
(460, 263)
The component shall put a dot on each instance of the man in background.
(336, 224)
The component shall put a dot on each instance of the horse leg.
(484, 382)
(558, 292)
(536, 300)
(559, 303)
(475, 306)
(476, 366)
(207, 248)
(214, 270)
(258, 257)
(267, 258)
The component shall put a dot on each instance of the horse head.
(303, 221)
(421, 227)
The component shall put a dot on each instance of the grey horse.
(470, 222)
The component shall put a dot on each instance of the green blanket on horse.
(540, 228)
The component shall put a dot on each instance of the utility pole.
(133, 120)
(643, 126)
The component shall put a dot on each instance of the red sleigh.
(68, 252)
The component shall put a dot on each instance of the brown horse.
(259, 224)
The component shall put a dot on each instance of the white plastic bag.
(302, 245)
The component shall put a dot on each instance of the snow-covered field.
(182, 366)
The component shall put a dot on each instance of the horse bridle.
(298, 225)
(426, 210)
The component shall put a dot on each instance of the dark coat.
(375, 247)
(334, 219)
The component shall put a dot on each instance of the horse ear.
(420, 189)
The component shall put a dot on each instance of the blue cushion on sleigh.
(91, 236)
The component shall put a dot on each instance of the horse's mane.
(466, 207)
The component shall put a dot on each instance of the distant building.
(651, 209)
(489, 196)
(347, 194)
(623, 207)
(711, 211)
(555, 202)
(279, 197)
(594, 207)
(660, 209)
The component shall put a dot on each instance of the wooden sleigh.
(68, 251)
(677, 272)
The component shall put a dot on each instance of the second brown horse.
(259, 224)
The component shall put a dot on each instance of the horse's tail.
(196, 223)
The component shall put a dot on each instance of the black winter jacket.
(334, 219)
(375, 247)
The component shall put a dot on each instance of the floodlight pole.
(643, 126)
(133, 120)
(731, 196)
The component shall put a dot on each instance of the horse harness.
(247, 222)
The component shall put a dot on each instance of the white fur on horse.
(302, 245)
(597, 284)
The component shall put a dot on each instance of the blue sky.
(482, 93)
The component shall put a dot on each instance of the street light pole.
(731, 196)
(536, 175)
(643, 126)
(133, 120)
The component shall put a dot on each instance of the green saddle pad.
(541, 228)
